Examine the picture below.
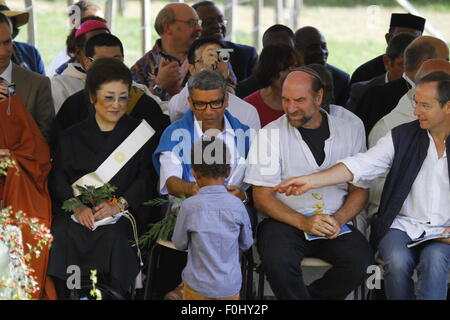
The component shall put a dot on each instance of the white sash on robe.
(117, 159)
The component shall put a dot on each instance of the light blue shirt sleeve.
(180, 237)
(246, 235)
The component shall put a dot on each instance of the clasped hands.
(323, 225)
(87, 216)
(319, 224)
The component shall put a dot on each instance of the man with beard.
(243, 58)
(164, 68)
(311, 43)
(305, 140)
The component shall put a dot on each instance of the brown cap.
(20, 17)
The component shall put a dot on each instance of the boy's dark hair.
(101, 40)
(211, 158)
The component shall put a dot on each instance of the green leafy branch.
(162, 229)
(90, 196)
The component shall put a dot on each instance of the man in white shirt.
(203, 55)
(305, 140)
(402, 113)
(208, 100)
(416, 195)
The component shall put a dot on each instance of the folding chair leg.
(261, 283)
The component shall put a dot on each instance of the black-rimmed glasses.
(201, 106)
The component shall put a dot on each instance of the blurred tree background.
(354, 29)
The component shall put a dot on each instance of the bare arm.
(355, 202)
(338, 173)
(321, 225)
(178, 187)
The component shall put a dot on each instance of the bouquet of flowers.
(16, 279)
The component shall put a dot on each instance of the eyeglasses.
(210, 21)
(191, 22)
(110, 99)
(201, 106)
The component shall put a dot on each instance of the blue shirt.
(27, 56)
(213, 225)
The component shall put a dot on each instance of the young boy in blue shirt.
(213, 226)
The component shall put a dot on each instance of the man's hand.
(237, 192)
(337, 226)
(168, 74)
(295, 186)
(447, 241)
(104, 210)
(321, 225)
(4, 154)
(171, 75)
(85, 217)
(223, 69)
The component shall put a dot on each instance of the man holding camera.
(32, 88)
(209, 53)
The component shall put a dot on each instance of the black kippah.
(407, 20)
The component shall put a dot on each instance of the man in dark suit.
(34, 89)
(380, 100)
(275, 34)
(393, 64)
(243, 58)
(312, 44)
(400, 22)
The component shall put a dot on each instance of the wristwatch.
(158, 89)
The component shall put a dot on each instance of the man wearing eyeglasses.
(207, 116)
(164, 68)
(243, 58)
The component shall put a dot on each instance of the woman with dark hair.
(107, 147)
(273, 66)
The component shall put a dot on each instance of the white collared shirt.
(7, 74)
(171, 165)
(410, 82)
(279, 152)
(426, 208)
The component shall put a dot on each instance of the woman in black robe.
(81, 149)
